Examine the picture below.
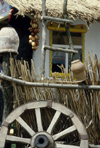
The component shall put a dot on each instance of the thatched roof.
(87, 10)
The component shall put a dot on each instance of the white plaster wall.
(92, 42)
(37, 53)
(92, 39)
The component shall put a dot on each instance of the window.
(58, 38)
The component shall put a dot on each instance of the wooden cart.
(44, 137)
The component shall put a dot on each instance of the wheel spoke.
(25, 126)
(58, 145)
(64, 133)
(53, 122)
(18, 139)
(38, 119)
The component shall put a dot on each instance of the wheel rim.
(46, 135)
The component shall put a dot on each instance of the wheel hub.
(42, 140)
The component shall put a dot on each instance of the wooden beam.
(49, 85)
(56, 19)
(60, 49)
(43, 52)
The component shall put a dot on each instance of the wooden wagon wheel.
(43, 139)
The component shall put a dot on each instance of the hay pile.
(85, 103)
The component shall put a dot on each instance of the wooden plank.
(39, 119)
(64, 133)
(53, 122)
(56, 19)
(18, 139)
(59, 49)
(3, 134)
(58, 145)
(25, 126)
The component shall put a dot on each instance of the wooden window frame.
(77, 28)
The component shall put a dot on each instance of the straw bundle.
(85, 103)
(86, 10)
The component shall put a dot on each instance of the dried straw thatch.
(87, 10)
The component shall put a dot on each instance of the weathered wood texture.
(3, 134)
(60, 49)
(7, 86)
(25, 126)
(50, 85)
(39, 119)
(37, 106)
(18, 139)
(56, 19)
(53, 122)
(58, 145)
(43, 52)
(65, 15)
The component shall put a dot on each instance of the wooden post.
(65, 15)
(43, 52)
(7, 87)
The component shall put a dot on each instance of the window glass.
(59, 58)
(61, 38)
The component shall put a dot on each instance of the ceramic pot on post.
(78, 68)
(9, 43)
